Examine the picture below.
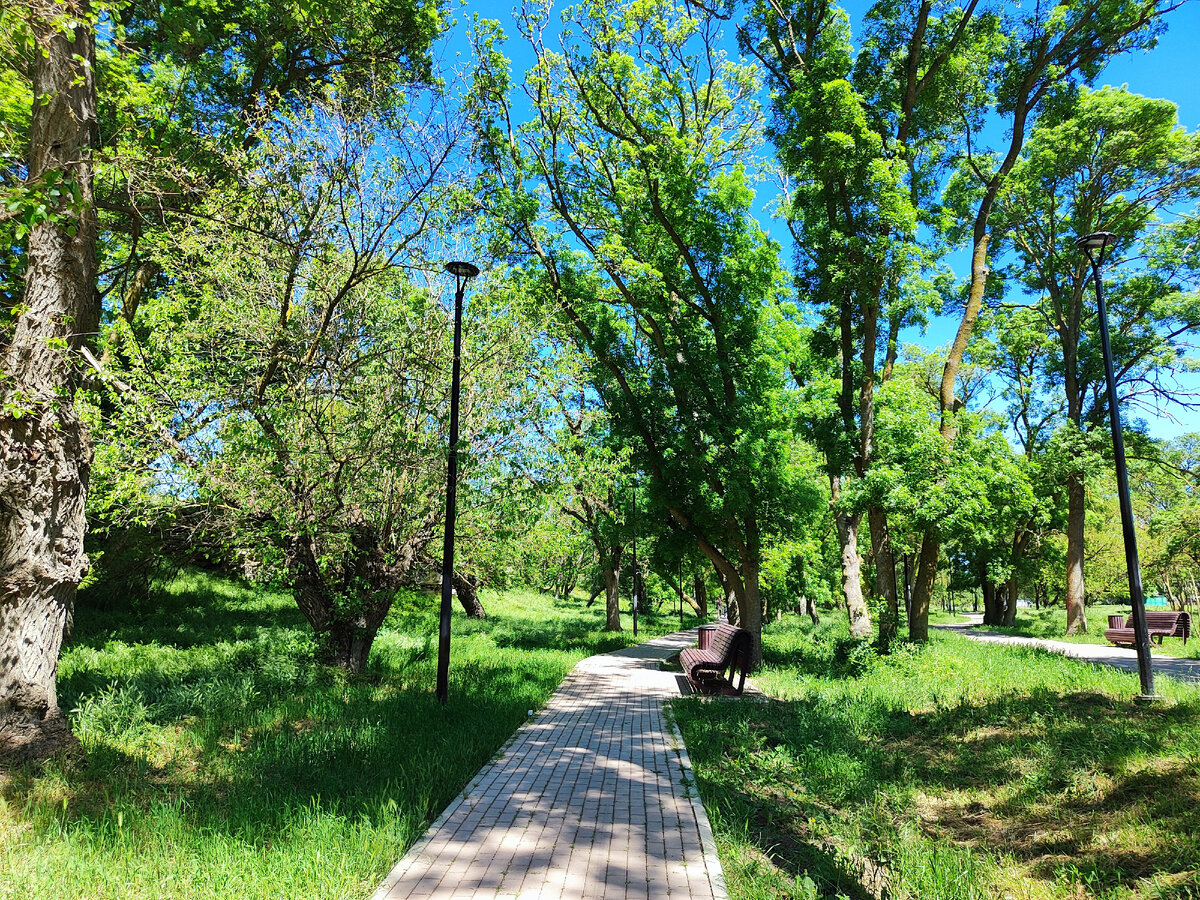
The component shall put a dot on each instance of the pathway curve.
(593, 797)
(1117, 657)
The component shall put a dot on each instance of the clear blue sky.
(1168, 71)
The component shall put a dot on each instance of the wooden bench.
(712, 669)
(1159, 625)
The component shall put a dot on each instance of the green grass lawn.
(216, 760)
(957, 770)
(1051, 624)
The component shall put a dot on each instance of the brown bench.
(1159, 625)
(712, 669)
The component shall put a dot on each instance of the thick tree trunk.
(1010, 609)
(852, 593)
(1076, 513)
(468, 596)
(45, 453)
(922, 592)
(991, 603)
(612, 589)
(345, 635)
(885, 575)
(749, 605)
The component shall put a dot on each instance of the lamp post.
(635, 562)
(1094, 247)
(462, 272)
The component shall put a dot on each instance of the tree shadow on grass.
(244, 735)
(1074, 785)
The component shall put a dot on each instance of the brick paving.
(592, 798)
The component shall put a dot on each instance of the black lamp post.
(1094, 246)
(462, 272)
(635, 562)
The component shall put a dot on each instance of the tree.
(44, 444)
(1047, 52)
(629, 194)
(861, 138)
(50, 209)
(1103, 160)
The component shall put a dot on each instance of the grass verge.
(955, 770)
(217, 760)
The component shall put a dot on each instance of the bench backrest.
(729, 641)
(1180, 623)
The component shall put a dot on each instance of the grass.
(217, 760)
(1051, 624)
(949, 772)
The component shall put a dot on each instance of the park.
(649, 448)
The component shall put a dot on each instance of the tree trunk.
(991, 603)
(885, 575)
(45, 452)
(344, 633)
(468, 596)
(808, 608)
(700, 589)
(852, 593)
(1010, 610)
(922, 594)
(1076, 512)
(612, 589)
(749, 604)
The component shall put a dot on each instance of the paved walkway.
(592, 798)
(1117, 657)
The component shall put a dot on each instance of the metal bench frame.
(713, 668)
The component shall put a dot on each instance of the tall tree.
(1104, 160)
(862, 138)
(1049, 50)
(46, 452)
(51, 197)
(642, 138)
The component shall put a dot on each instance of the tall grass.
(956, 770)
(218, 760)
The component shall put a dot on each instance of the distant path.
(1117, 657)
(592, 798)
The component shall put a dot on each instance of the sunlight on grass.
(217, 760)
(956, 770)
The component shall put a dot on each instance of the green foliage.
(634, 216)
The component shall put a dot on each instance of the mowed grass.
(216, 760)
(956, 770)
(1051, 624)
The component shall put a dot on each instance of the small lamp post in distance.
(1095, 246)
(462, 272)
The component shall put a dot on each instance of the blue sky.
(1167, 71)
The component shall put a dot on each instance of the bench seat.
(1159, 625)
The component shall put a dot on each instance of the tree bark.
(885, 575)
(45, 452)
(468, 596)
(1076, 512)
(700, 589)
(612, 589)
(851, 564)
(922, 591)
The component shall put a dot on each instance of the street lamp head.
(1097, 240)
(462, 269)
